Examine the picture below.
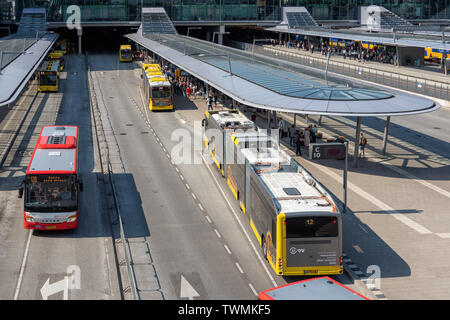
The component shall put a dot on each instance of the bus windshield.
(161, 92)
(47, 79)
(53, 193)
(310, 227)
(125, 53)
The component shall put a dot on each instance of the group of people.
(302, 139)
(349, 50)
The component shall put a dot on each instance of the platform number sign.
(333, 150)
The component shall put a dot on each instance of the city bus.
(294, 219)
(125, 53)
(151, 66)
(51, 186)
(61, 62)
(61, 46)
(48, 76)
(158, 91)
(320, 288)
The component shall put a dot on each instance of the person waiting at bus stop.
(362, 145)
(209, 102)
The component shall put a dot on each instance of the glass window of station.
(348, 9)
(178, 10)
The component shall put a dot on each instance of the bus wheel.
(264, 247)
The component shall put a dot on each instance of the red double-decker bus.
(51, 184)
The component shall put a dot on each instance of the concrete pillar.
(295, 119)
(220, 35)
(386, 134)
(356, 151)
(79, 33)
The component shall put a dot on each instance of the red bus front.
(50, 201)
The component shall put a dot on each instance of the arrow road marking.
(50, 289)
(187, 291)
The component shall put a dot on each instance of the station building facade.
(226, 10)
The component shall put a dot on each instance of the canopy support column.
(295, 119)
(386, 134)
(358, 131)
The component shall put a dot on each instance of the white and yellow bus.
(48, 76)
(125, 53)
(294, 219)
(158, 91)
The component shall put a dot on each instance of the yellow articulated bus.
(157, 90)
(59, 50)
(294, 219)
(48, 76)
(151, 66)
(125, 53)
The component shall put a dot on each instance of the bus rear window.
(311, 227)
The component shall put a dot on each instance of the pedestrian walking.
(209, 103)
(314, 133)
(299, 141)
(362, 145)
(292, 135)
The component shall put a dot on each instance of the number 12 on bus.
(51, 184)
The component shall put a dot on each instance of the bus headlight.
(72, 218)
(29, 219)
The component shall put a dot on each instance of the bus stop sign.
(331, 150)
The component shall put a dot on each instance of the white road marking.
(358, 248)
(239, 268)
(228, 249)
(22, 268)
(380, 204)
(193, 196)
(443, 235)
(217, 233)
(208, 218)
(258, 254)
(253, 289)
(200, 206)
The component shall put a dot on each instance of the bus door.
(313, 241)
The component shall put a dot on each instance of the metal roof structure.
(273, 84)
(420, 39)
(14, 76)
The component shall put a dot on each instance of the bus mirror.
(20, 193)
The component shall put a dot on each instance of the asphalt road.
(31, 258)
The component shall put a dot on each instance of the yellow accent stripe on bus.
(215, 160)
(243, 208)
(206, 141)
(313, 270)
(258, 237)
(232, 189)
